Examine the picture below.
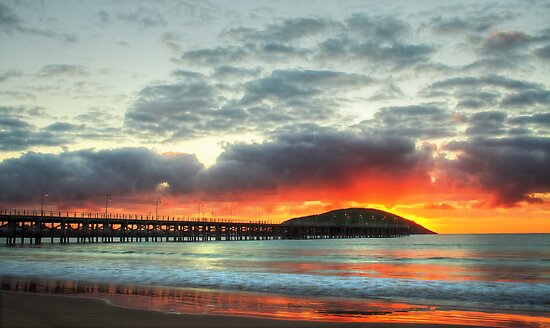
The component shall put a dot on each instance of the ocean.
(495, 280)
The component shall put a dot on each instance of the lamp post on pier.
(107, 200)
(44, 196)
(157, 208)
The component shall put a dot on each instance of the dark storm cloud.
(10, 23)
(511, 168)
(415, 121)
(318, 157)
(86, 174)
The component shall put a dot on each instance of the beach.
(44, 311)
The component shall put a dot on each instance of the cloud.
(171, 41)
(485, 92)
(486, 123)
(143, 17)
(389, 90)
(87, 174)
(543, 52)
(238, 54)
(8, 73)
(457, 25)
(503, 42)
(316, 157)
(507, 50)
(234, 72)
(370, 40)
(371, 52)
(56, 70)
(8, 19)
(285, 31)
(10, 23)
(414, 121)
(17, 134)
(283, 85)
(538, 119)
(378, 28)
(472, 99)
(527, 98)
(195, 105)
(488, 80)
(103, 18)
(180, 108)
(510, 168)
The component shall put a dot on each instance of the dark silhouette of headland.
(358, 216)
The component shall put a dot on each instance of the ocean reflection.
(202, 301)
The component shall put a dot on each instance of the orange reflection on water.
(199, 301)
(407, 271)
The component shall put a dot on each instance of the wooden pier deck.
(35, 227)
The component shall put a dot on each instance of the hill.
(358, 216)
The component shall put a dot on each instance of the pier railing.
(34, 226)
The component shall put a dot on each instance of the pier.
(21, 226)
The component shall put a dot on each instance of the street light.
(44, 196)
(157, 209)
(107, 200)
(199, 214)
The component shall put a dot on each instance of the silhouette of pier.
(36, 226)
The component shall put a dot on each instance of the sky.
(266, 110)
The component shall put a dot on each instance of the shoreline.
(21, 309)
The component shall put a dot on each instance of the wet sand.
(39, 310)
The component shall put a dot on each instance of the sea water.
(500, 273)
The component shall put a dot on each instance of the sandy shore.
(39, 310)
